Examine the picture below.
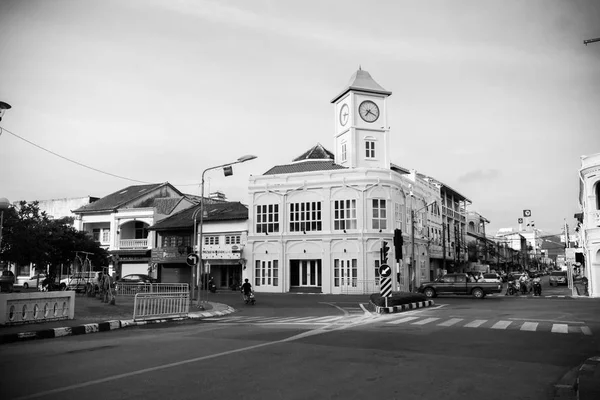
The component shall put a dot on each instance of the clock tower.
(361, 138)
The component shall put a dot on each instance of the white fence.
(357, 286)
(23, 308)
(160, 305)
(131, 289)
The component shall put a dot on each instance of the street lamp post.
(4, 205)
(199, 237)
(413, 266)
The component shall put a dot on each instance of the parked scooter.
(511, 289)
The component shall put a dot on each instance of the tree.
(30, 236)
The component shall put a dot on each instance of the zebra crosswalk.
(310, 320)
(510, 324)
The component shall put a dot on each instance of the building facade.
(318, 223)
(224, 236)
(120, 222)
(589, 229)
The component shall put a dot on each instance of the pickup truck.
(457, 284)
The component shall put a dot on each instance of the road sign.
(192, 259)
(570, 254)
(385, 270)
(385, 287)
(520, 220)
(527, 213)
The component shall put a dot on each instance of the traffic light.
(398, 242)
(384, 252)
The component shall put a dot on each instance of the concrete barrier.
(35, 307)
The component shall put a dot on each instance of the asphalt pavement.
(438, 342)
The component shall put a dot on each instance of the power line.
(81, 164)
(68, 159)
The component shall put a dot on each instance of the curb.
(568, 386)
(403, 307)
(102, 327)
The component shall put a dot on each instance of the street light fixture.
(413, 267)
(198, 237)
(3, 107)
(4, 205)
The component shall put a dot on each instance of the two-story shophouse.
(317, 224)
(120, 223)
(477, 242)
(224, 235)
(589, 230)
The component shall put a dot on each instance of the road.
(320, 347)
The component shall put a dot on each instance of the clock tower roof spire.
(362, 81)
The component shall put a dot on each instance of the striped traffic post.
(385, 286)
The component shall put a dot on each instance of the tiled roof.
(230, 210)
(165, 205)
(305, 166)
(362, 81)
(318, 152)
(118, 198)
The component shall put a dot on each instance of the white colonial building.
(317, 224)
(589, 201)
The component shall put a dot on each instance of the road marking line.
(560, 328)
(327, 319)
(586, 330)
(501, 325)
(451, 322)
(425, 321)
(476, 324)
(401, 320)
(547, 320)
(529, 326)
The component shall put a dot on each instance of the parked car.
(34, 281)
(458, 284)
(137, 278)
(558, 278)
(7, 281)
(81, 281)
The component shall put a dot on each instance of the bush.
(397, 299)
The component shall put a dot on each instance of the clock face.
(368, 111)
(344, 114)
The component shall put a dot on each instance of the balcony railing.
(133, 243)
(595, 218)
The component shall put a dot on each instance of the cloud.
(479, 175)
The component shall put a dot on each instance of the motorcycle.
(212, 287)
(537, 288)
(249, 299)
(511, 289)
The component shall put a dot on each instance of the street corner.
(218, 311)
(403, 307)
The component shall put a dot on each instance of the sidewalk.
(581, 383)
(92, 315)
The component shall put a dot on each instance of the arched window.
(597, 192)
(471, 226)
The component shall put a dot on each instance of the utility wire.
(70, 160)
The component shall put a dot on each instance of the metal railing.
(131, 289)
(149, 306)
(133, 243)
(358, 286)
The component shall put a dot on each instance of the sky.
(496, 99)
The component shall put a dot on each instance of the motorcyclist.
(246, 289)
(537, 285)
(523, 283)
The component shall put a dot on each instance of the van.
(558, 278)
